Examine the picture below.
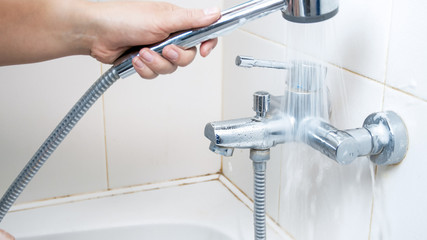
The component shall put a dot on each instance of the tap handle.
(261, 103)
(249, 62)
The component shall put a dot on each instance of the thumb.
(185, 19)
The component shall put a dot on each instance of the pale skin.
(5, 236)
(38, 30)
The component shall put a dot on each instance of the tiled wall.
(141, 131)
(380, 46)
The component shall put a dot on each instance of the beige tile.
(34, 99)
(155, 127)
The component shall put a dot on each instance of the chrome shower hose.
(259, 200)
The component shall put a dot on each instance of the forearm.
(38, 30)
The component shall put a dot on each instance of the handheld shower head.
(309, 11)
(302, 11)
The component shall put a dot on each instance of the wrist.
(81, 21)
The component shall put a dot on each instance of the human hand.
(146, 23)
(5, 236)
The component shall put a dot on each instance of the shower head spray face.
(310, 11)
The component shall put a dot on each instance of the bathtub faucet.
(383, 136)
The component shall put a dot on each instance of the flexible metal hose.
(55, 138)
(259, 200)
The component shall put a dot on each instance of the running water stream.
(320, 199)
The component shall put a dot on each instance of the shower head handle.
(230, 19)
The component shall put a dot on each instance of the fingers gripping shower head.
(309, 11)
(300, 11)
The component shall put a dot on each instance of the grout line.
(263, 38)
(387, 53)
(373, 203)
(280, 183)
(384, 84)
(222, 92)
(371, 218)
(114, 192)
(383, 98)
(240, 195)
(388, 41)
(406, 93)
(105, 138)
(358, 74)
(105, 144)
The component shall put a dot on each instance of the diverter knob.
(261, 103)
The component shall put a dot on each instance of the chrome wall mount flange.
(390, 136)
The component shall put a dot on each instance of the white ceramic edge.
(114, 192)
(229, 185)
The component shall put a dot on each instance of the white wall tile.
(33, 100)
(362, 29)
(400, 201)
(352, 97)
(407, 54)
(155, 127)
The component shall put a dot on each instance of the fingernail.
(211, 11)
(147, 56)
(172, 54)
(138, 63)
